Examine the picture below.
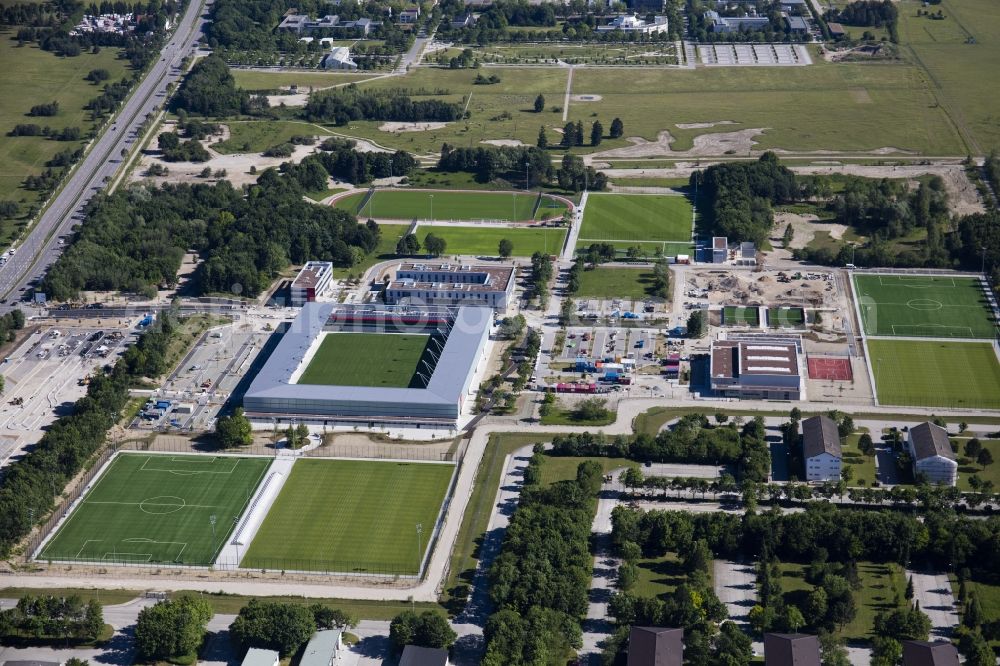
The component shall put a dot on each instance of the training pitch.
(486, 240)
(734, 315)
(366, 359)
(636, 218)
(935, 374)
(154, 508)
(351, 516)
(444, 205)
(924, 306)
(785, 317)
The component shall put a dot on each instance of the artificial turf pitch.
(935, 373)
(366, 359)
(351, 516)
(486, 240)
(636, 218)
(785, 317)
(733, 315)
(157, 508)
(444, 205)
(924, 306)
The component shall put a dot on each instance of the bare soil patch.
(703, 125)
(411, 127)
(503, 142)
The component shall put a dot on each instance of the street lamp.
(211, 521)
(432, 207)
(420, 551)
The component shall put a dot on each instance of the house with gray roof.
(821, 449)
(414, 655)
(259, 657)
(791, 650)
(655, 646)
(932, 454)
(928, 653)
(325, 648)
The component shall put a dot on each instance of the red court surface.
(836, 369)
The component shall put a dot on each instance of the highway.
(42, 246)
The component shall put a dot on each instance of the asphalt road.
(41, 248)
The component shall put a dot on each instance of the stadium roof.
(445, 385)
(930, 440)
(820, 435)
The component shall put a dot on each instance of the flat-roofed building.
(757, 368)
(451, 284)
(312, 281)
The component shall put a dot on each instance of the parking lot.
(46, 374)
(739, 55)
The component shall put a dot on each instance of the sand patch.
(586, 98)
(411, 127)
(504, 142)
(703, 125)
(804, 229)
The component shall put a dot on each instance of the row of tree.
(342, 105)
(52, 618)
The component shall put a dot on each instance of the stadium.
(371, 366)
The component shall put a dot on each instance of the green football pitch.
(444, 205)
(733, 315)
(351, 516)
(924, 306)
(935, 373)
(637, 218)
(366, 359)
(486, 240)
(152, 508)
(785, 317)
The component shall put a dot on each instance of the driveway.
(933, 591)
(736, 586)
(598, 626)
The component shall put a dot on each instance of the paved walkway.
(933, 591)
(598, 626)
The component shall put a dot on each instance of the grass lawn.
(641, 181)
(733, 315)
(633, 283)
(563, 468)
(486, 240)
(785, 317)
(32, 76)
(935, 374)
(351, 516)
(386, 249)
(968, 467)
(879, 583)
(658, 576)
(256, 136)
(566, 417)
(366, 359)
(636, 217)
(156, 508)
(424, 205)
(924, 306)
(863, 466)
(253, 80)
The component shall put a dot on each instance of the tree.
(908, 594)
(698, 558)
(428, 629)
(972, 615)
(596, 133)
(505, 248)
(816, 607)
(172, 629)
(787, 237)
(866, 445)
(539, 103)
(696, 324)
(273, 626)
(435, 245)
(569, 135)
(332, 618)
(661, 279)
(234, 430)
(793, 619)
(408, 244)
(973, 447)
(617, 128)
(543, 139)
(592, 409)
(886, 651)
(578, 133)
(832, 650)
(984, 458)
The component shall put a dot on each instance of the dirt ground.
(410, 127)
(763, 288)
(503, 142)
(703, 125)
(805, 228)
(740, 142)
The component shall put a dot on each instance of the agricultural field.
(445, 205)
(351, 516)
(256, 136)
(631, 283)
(924, 306)
(265, 81)
(32, 76)
(935, 373)
(632, 219)
(366, 359)
(735, 315)
(153, 508)
(485, 241)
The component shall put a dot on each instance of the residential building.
(312, 281)
(259, 657)
(414, 655)
(821, 449)
(655, 646)
(926, 653)
(339, 57)
(932, 454)
(630, 23)
(750, 367)
(302, 24)
(325, 648)
(466, 20)
(409, 16)
(791, 650)
(452, 284)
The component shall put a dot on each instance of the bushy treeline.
(740, 195)
(539, 582)
(210, 90)
(342, 105)
(939, 538)
(491, 162)
(693, 440)
(342, 161)
(871, 13)
(26, 490)
(52, 618)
